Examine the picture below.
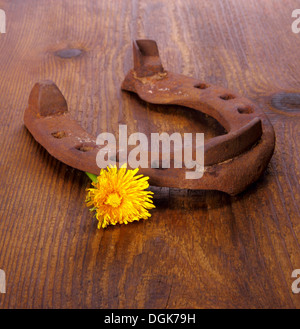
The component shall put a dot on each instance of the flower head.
(119, 196)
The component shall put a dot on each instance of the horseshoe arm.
(48, 120)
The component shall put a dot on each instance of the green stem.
(92, 177)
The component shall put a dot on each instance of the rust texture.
(232, 161)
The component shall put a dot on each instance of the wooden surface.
(199, 249)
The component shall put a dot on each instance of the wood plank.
(199, 249)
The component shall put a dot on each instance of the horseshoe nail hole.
(245, 110)
(59, 134)
(84, 147)
(227, 97)
(201, 86)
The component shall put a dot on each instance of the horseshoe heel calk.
(232, 161)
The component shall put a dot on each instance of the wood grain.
(199, 249)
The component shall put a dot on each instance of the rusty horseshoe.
(232, 161)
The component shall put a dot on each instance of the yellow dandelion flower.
(119, 196)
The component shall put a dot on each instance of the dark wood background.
(199, 249)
